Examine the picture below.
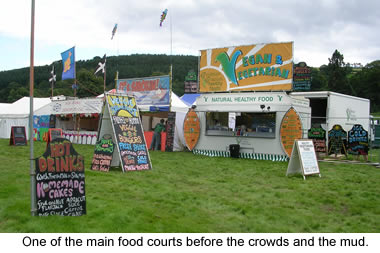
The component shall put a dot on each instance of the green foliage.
(188, 193)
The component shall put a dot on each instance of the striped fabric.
(254, 156)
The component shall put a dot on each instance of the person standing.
(156, 141)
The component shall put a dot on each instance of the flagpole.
(33, 183)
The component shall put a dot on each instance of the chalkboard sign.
(301, 77)
(60, 180)
(358, 141)
(103, 154)
(18, 136)
(55, 133)
(303, 159)
(52, 121)
(170, 129)
(128, 133)
(337, 140)
(318, 135)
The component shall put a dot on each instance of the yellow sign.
(264, 67)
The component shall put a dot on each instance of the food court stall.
(261, 123)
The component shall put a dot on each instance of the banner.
(265, 67)
(147, 90)
(68, 62)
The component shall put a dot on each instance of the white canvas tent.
(17, 114)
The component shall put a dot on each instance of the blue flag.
(68, 62)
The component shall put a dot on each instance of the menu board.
(318, 135)
(128, 132)
(301, 77)
(358, 141)
(60, 180)
(55, 133)
(337, 140)
(18, 136)
(170, 128)
(303, 159)
(290, 130)
(102, 158)
(191, 129)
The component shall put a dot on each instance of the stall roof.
(190, 98)
(20, 108)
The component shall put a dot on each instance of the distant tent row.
(82, 114)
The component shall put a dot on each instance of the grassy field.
(189, 193)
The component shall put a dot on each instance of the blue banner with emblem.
(68, 62)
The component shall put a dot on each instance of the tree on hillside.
(337, 72)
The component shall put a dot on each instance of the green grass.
(189, 193)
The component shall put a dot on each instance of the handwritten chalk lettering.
(137, 167)
(119, 120)
(127, 128)
(124, 153)
(138, 147)
(125, 146)
(133, 139)
(133, 121)
(128, 161)
(59, 189)
(142, 159)
(61, 164)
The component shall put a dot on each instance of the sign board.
(264, 67)
(170, 129)
(121, 119)
(147, 91)
(18, 136)
(318, 135)
(337, 140)
(290, 130)
(303, 159)
(102, 158)
(358, 140)
(60, 180)
(54, 133)
(191, 129)
(301, 77)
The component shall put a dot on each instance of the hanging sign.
(303, 159)
(18, 136)
(191, 129)
(103, 154)
(358, 141)
(127, 132)
(337, 141)
(318, 135)
(290, 130)
(170, 129)
(60, 180)
(301, 77)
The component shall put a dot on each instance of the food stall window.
(241, 124)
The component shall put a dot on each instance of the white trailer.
(331, 108)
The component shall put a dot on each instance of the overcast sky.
(317, 28)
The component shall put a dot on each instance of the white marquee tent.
(17, 114)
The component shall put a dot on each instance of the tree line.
(336, 75)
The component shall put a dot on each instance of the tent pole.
(31, 131)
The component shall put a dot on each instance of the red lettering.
(50, 164)
(42, 164)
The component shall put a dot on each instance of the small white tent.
(17, 114)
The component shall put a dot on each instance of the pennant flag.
(68, 61)
(163, 16)
(102, 65)
(114, 31)
(53, 76)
